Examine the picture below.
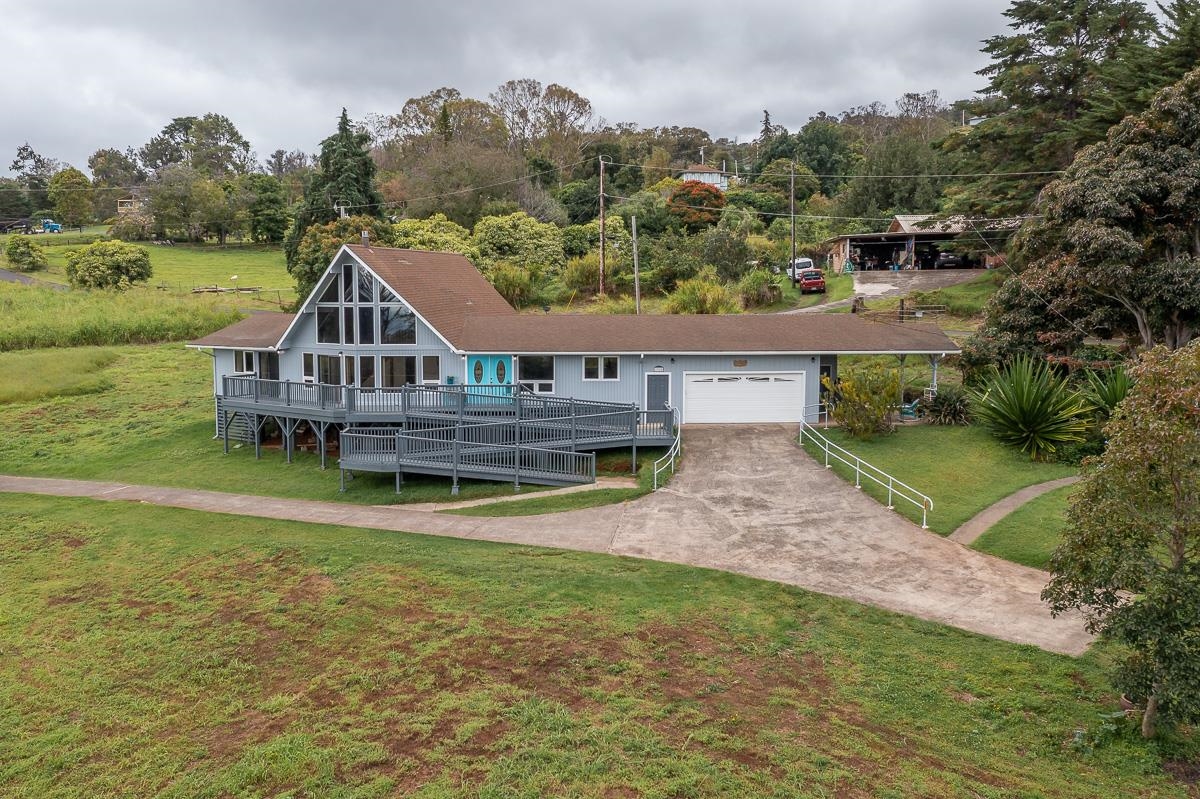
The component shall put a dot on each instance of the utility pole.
(792, 207)
(637, 283)
(602, 226)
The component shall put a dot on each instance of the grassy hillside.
(157, 652)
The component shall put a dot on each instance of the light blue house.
(393, 344)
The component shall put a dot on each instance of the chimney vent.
(366, 238)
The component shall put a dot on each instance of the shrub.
(132, 227)
(1027, 406)
(703, 295)
(1106, 390)
(758, 287)
(514, 283)
(950, 406)
(582, 274)
(863, 404)
(24, 254)
(108, 264)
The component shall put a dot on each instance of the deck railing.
(862, 469)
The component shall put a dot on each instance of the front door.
(494, 372)
(658, 391)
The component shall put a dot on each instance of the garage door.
(752, 397)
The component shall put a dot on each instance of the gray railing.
(448, 449)
(669, 460)
(895, 488)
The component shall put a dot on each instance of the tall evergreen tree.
(345, 178)
(1045, 74)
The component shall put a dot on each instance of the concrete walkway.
(981, 522)
(747, 500)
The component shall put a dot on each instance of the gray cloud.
(283, 70)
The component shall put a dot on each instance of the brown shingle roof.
(444, 288)
(258, 331)
(806, 333)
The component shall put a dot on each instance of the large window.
(397, 370)
(329, 369)
(397, 325)
(310, 370)
(536, 373)
(601, 367)
(366, 372)
(328, 329)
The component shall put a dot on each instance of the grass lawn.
(963, 469)
(153, 651)
(1029, 534)
(31, 375)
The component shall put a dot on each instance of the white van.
(799, 266)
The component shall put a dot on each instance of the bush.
(703, 295)
(108, 264)
(950, 406)
(132, 227)
(1107, 389)
(863, 404)
(1029, 407)
(514, 283)
(758, 287)
(24, 254)
(582, 274)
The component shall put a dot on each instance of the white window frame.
(537, 386)
(425, 381)
(240, 360)
(600, 359)
(309, 367)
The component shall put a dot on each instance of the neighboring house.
(131, 204)
(706, 174)
(390, 335)
(915, 240)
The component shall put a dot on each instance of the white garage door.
(752, 397)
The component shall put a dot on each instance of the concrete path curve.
(747, 500)
(983, 521)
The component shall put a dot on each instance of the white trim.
(646, 388)
(680, 353)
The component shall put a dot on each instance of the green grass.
(1030, 534)
(963, 469)
(32, 375)
(967, 299)
(161, 652)
(837, 287)
(33, 317)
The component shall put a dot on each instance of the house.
(915, 240)
(406, 356)
(706, 174)
(132, 203)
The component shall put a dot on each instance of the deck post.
(572, 424)
(633, 417)
(454, 466)
(287, 439)
(321, 445)
(287, 393)
(257, 435)
(225, 427)
(341, 481)
(255, 383)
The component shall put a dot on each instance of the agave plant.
(950, 406)
(1106, 389)
(1027, 406)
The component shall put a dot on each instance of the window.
(366, 285)
(397, 370)
(536, 373)
(348, 327)
(601, 367)
(366, 325)
(329, 369)
(331, 292)
(431, 369)
(243, 362)
(268, 365)
(397, 325)
(328, 329)
(310, 374)
(366, 372)
(349, 370)
(348, 282)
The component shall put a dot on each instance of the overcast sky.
(82, 75)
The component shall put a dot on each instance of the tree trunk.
(1150, 717)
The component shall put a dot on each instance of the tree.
(321, 242)
(114, 173)
(777, 177)
(14, 204)
(169, 147)
(1041, 79)
(267, 207)
(1130, 556)
(696, 205)
(581, 198)
(1123, 223)
(826, 148)
(436, 233)
(71, 194)
(33, 174)
(521, 239)
(216, 148)
(24, 254)
(345, 178)
(108, 265)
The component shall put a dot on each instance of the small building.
(131, 203)
(706, 174)
(915, 241)
(400, 358)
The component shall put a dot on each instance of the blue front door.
(494, 371)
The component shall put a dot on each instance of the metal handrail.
(669, 459)
(895, 488)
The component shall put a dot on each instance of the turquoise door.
(492, 372)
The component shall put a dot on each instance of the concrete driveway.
(747, 500)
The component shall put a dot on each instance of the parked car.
(948, 260)
(811, 280)
(799, 266)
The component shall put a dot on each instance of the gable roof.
(259, 331)
(747, 333)
(444, 289)
(702, 168)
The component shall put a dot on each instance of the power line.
(852, 177)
